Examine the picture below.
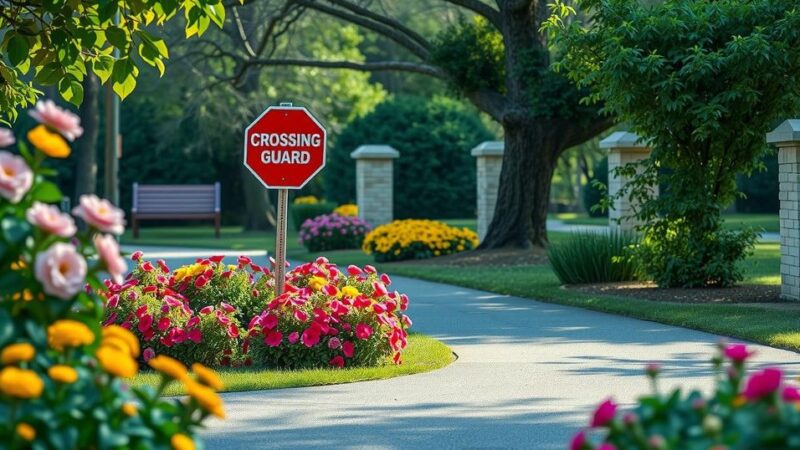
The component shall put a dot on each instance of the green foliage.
(302, 212)
(760, 188)
(435, 174)
(59, 43)
(592, 193)
(703, 82)
(473, 53)
(588, 257)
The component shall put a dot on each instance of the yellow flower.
(117, 336)
(116, 362)
(25, 431)
(209, 400)
(130, 409)
(207, 376)
(63, 374)
(317, 283)
(68, 333)
(189, 271)
(350, 291)
(170, 367)
(18, 265)
(347, 209)
(306, 200)
(49, 143)
(20, 383)
(16, 353)
(26, 295)
(181, 442)
(739, 401)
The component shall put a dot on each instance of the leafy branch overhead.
(58, 43)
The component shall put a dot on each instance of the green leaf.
(124, 77)
(118, 37)
(71, 90)
(46, 192)
(14, 230)
(103, 66)
(17, 50)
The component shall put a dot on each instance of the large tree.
(500, 61)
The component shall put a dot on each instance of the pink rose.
(100, 214)
(148, 354)
(50, 220)
(348, 349)
(334, 343)
(61, 120)
(6, 138)
(16, 177)
(294, 336)
(61, 270)
(363, 331)
(738, 352)
(604, 413)
(273, 339)
(763, 383)
(108, 251)
(578, 441)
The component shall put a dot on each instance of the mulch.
(745, 293)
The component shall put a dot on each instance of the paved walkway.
(528, 375)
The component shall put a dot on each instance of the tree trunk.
(86, 154)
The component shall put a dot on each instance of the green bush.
(760, 188)
(590, 257)
(592, 195)
(435, 174)
(301, 212)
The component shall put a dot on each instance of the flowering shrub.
(417, 239)
(333, 232)
(193, 314)
(756, 412)
(306, 200)
(348, 209)
(330, 318)
(60, 375)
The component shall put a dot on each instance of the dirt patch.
(746, 293)
(494, 257)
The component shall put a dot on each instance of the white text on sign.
(285, 140)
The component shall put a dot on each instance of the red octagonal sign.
(285, 147)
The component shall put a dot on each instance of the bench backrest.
(176, 199)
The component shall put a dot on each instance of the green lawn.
(423, 354)
(765, 222)
(232, 238)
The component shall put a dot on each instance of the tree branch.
(361, 11)
(480, 8)
(352, 65)
(574, 134)
(490, 102)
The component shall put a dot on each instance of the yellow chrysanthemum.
(207, 376)
(350, 291)
(347, 209)
(68, 333)
(169, 366)
(63, 374)
(20, 383)
(306, 200)
(418, 237)
(48, 142)
(116, 362)
(116, 332)
(130, 409)
(317, 283)
(16, 353)
(189, 271)
(209, 400)
(25, 431)
(181, 442)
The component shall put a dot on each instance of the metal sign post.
(280, 241)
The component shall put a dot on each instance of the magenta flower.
(578, 441)
(763, 383)
(294, 336)
(363, 331)
(337, 361)
(148, 354)
(349, 349)
(273, 339)
(604, 413)
(16, 177)
(334, 343)
(790, 394)
(311, 336)
(61, 120)
(738, 352)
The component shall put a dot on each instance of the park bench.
(180, 202)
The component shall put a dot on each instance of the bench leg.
(217, 225)
(135, 227)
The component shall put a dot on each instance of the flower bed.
(333, 232)
(755, 412)
(347, 209)
(417, 239)
(61, 376)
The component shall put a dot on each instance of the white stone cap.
(788, 131)
(489, 148)
(623, 139)
(375, 152)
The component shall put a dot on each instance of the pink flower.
(763, 383)
(652, 369)
(148, 354)
(145, 322)
(790, 394)
(737, 352)
(369, 269)
(269, 321)
(147, 266)
(61, 270)
(200, 282)
(385, 279)
(311, 336)
(6, 138)
(108, 251)
(206, 310)
(334, 343)
(604, 413)
(348, 349)
(61, 120)
(16, 177)
(607, 446)
(194, 335)
(163, 323)
(101, 214)
(227, 307)
(302, 316)
(379, 289)
(354, 270)
(294, 336)
(177, 335)
(50, 220)
(337, 361)
(363, 331)
(273, 339)
(136, 256)
(578, 441)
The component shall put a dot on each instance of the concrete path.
(528, 375)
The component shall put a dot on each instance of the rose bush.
(329, 318)
(333, 232)
(61, 377)
(756, 412)
(417, 239)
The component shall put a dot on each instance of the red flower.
(163, 323)
(348, 349)
(269, 321)
(233, 330)
(337, 361)
(136, 256)
(604, 413)
(147, 266)
(149, 289)
(385, 279)
(163, 265)
(194, 335)
(192, 322)
(200, 281)
(790, 394)
(369, 269)
(578, 441)
(207, 310)
(294, 337)
(273, 339)
(379, 289)
(354, 270)
(363, 331)
(763, 383)
(300, 315)
(227, 307)
(145, 322)
(737, 352)
(216, 258)
(378, 308)
(311, 336)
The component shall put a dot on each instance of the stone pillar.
(489, 157)
(623, 148)
(787, 138)
(375, 182)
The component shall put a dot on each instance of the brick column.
(375, 182)
(623, 148)
(489, 158)
(787, 138)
